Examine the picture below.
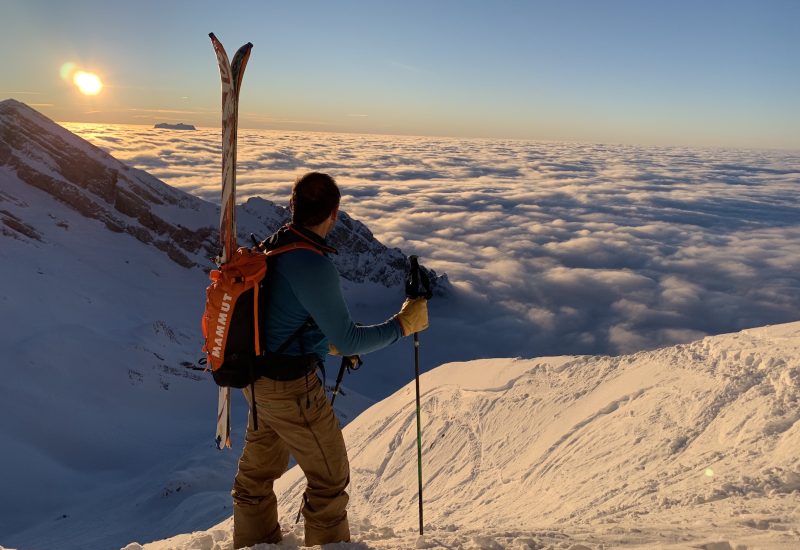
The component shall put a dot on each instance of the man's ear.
(335, 213)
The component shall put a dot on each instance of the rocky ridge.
(91, 182)
(41, 154)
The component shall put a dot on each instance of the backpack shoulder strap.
(293, 246)
(307, 324)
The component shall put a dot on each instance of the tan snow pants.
(293, 417)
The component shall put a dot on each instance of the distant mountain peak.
(177, 126)
(361, 258)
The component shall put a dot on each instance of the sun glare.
(87, 83)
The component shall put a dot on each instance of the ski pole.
(419, 428)
(418, 285)
(351, 362)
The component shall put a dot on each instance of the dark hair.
(314, 197)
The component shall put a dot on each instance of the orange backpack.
(233, 339)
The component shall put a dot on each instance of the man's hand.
(413, 316)
(355, 360)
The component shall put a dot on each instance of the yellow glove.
(413, 315)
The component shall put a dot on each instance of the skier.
(306, 318)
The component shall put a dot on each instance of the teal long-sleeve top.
(303, 283)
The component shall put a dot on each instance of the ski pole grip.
(418, 284)
(412, 285)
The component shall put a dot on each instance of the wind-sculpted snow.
(587, 439)
(571, 247)
(681, 447)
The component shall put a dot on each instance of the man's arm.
(319, 290)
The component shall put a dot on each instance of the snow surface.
(692, 446)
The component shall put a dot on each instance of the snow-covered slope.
(674, 448)
(103, 277)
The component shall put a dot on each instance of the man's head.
(315, 198)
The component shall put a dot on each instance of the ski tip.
(245, 50)
(211, 36)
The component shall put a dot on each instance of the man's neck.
(319, 230)
(322, 229)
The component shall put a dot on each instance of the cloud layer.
(556, 247)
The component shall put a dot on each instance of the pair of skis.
(231, 75)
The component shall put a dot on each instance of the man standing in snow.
(306, 316)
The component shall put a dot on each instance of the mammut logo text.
(222, 323)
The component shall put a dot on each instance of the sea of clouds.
(555, 248)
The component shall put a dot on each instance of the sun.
(87, 83)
